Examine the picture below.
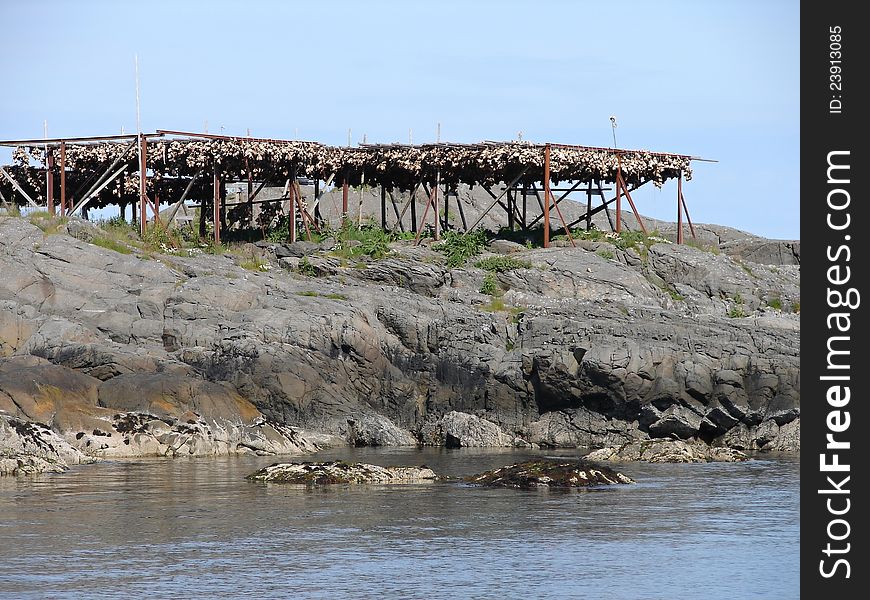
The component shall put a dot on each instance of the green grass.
(738, 299)
(495, 305)
(703, 247)
(775, 303)
(330, 296)
(459, 247)
(796, 307)
(606, 254)
(736, 312)
(255, 264)
(490, 285)
(48, 224)
(306, 268)
(112, 244)
(502, 264)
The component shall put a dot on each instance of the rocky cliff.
(137, 353)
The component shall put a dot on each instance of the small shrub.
(775, 303)
(738, 299)
(490, 285)
(306, 268)
(495, 305)
(501, 264)
(796, 307)
(736, 312)
(459, 247)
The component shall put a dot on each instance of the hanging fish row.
(393, 166)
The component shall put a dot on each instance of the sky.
(718, 80)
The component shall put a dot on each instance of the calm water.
(197, 528)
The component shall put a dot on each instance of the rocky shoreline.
(131, 353)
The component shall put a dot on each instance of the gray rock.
(581, 349)
(308, 473)
(462, 430)
(27, 448)
(667, 451)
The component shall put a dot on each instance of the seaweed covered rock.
(323, 473)
(27, 448)
(567, 473)
(667, 451)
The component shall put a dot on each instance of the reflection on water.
(197, 528)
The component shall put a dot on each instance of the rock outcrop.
(593, 345)
(667, 451)
(27, 448)
(324, 473)
(550, 473)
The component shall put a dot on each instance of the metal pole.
(525, 192)
(435, 206)
(62, 178)
(589, 206)
(680, 208)
(547, 196)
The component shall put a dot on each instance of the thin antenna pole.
(438, 134)
(613, 129)
(348, 136)
(139, 145)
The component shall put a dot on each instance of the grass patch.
(736, 312)
(312, 294)
(495, 305)
(775, 303)
(712, 249)
(606, 254)
(459, 247)
(112, 244)
(502, 264)
(306, 268)
(255, 264)
(796, 307)
(490, 285)
(47, 223)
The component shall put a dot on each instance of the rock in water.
(667, 451)
(550, 473)
(27, 448)
(313, 473)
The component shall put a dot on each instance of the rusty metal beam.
(54, 141)
(633, 207)
(688, 218)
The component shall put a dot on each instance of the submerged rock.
(312, 473)
(550, 473)
(667, 451)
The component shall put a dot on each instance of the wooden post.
(317, 218)
(618, 194)
(216, 205)
(62, 178)
(143, 173)
(525, 217)
(291, 225)
(344, 194)
(589, 206)
(680, 208)
(547, 196)
(383, 208)
(414, 209)
(49, 182)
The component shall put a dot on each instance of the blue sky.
(712, 79)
